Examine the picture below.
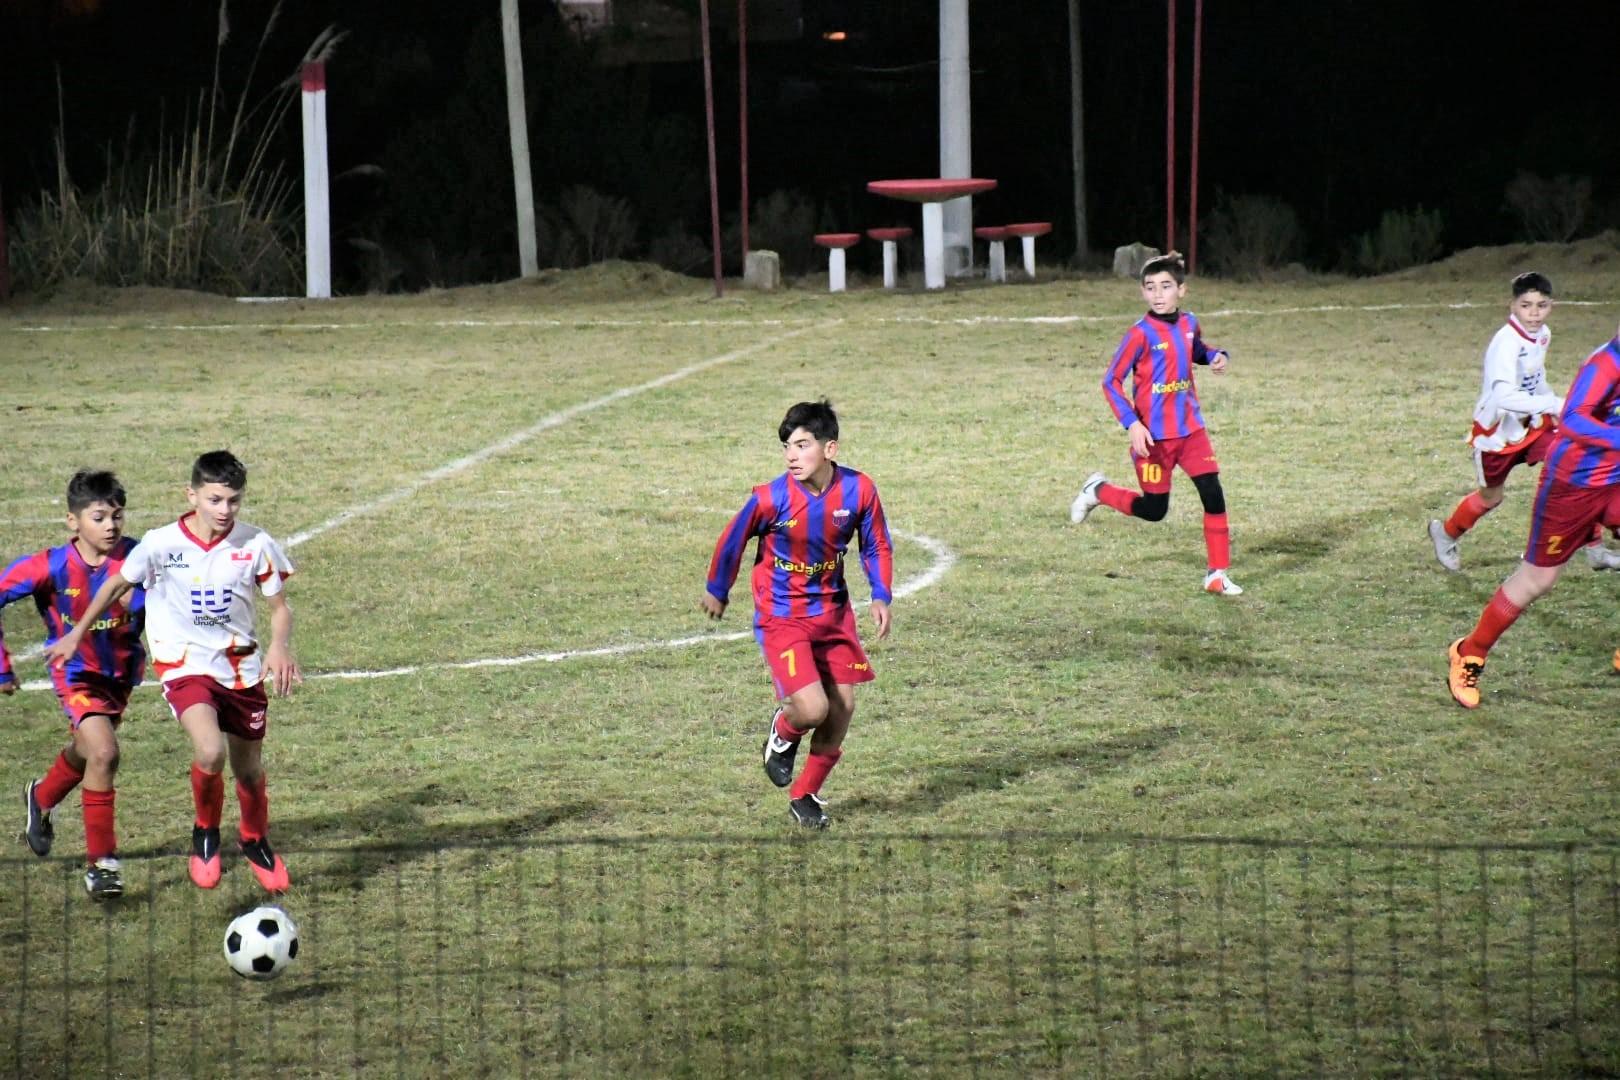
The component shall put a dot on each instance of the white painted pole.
(1029, 256)
(955, 130)
(517, 125)
(891, 260)
(317, 199)
(835, 270)
(933, 246)
(998, 260)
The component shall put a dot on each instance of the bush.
(1403, 238)
(680, 251)
(1550, 210)
(783, 222)
(1250, 234)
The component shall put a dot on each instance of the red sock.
(1217, 541)
(255, 802)
(787, 730)
(1467, 513)
(1493, 623)
(100, 840)
(59, 780)
(814, 773)
(208, 793)
(1117, 497)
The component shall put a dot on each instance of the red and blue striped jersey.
(1158, 355)
(1586, 450)
(799, 562)
(62, 585)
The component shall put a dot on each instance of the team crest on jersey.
(209, 606)
(241, 556)
(176, 561)
(840, 514)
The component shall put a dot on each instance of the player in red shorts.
(1579, 491)
(93, 684)
(803, 621)
(1162, 416)
(1514, 419)
(201, 574)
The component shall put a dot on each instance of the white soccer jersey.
(199, 599)
(1514, 398)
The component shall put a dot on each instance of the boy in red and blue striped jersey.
(1579, 491)
(1162, 417)
(94, 685)
(803, 621)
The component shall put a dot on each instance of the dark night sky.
(1343, 108)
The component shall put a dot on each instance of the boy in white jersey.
(199, 575)
(1514, 419)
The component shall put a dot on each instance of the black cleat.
(39, 832)
(779, 754)
(103, 880)
(810, 811)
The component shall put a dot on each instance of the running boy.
(1579, 492)
(199, 574)
(1514, 419)
(1162, 417)
(94, 682)
(802, 617)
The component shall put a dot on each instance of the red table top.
(900, 233)
(931, 190)
(1030, 228)
(837, 239)
(992, 232)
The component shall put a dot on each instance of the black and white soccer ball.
(261, 943)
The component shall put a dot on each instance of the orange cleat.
(267, 865)
(204, 857)
(1463, 679)
(1617, 659)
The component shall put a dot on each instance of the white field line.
(517, 438)
(944, 559)
(926, 320)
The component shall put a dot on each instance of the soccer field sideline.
(898, 320)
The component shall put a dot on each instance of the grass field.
(573, 864)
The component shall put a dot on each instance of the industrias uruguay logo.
(210, 603)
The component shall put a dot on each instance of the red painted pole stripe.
(742, 112)
(714, 171)
(1198, 82)
(313, 76)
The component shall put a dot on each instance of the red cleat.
(267, 865)
(204, 857)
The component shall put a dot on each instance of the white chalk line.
(517, 438)
(851, 318)
(944, 559)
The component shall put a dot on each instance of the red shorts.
(1192, 452)
(241, 713)
(816, 648)
(90, 695)
(1565, 518)
(1491, 467)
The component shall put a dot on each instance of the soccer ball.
(261, 943)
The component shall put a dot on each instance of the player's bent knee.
(102, 758)
(1152, 506)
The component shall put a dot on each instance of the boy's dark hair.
(219, 467)
(816, 417)
(1529, 280)
(93, 486)
(1170, 263)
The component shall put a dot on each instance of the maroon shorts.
(1491, 467)
(1192, 453)
(816, 648)
(90, 695)
(1565, 518)
(241, 712)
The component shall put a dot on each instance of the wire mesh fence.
(1030, 954)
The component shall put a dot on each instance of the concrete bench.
(835, 243)
(996, 235)
(1027, 231)
(891, 254)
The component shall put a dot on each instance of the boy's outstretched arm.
(114, 589)
(22, 578)
(728, 553)
(1580, 420)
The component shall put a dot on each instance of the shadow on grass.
(991, 772)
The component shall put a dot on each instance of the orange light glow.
(834, 35)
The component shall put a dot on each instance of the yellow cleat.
(1463, 679)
